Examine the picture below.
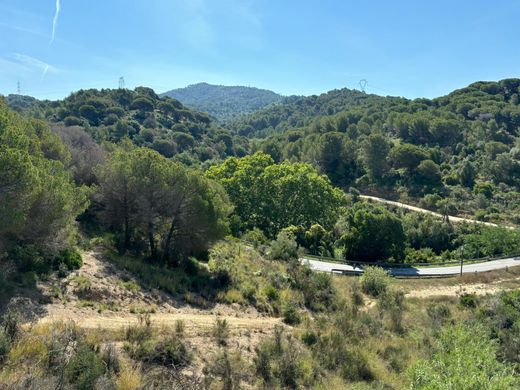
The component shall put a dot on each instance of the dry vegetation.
(106, 328)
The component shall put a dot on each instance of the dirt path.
(425, 211)
(192, 322)
(99, 295)
(455, 291)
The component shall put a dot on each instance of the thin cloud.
(55, 21)
(33, 63)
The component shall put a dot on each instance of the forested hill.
(160, 123)
(224, 102)
(299, 111)
(461, 150)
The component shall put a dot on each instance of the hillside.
(459, 151)
(300, 111)
(131, 266)
(160, 123)
(224, 102)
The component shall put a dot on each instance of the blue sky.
(405, 48)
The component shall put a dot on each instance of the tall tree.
(149, 199)
(374, 153)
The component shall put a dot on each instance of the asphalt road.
(324, 266)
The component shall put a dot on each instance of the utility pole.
(121, 82)
(461, 259)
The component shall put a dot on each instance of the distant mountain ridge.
(224, 102)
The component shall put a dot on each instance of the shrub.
(468, 300)
(28, 259)
(374, 281)
(263, 362)
(5, 344)
(70, 258)
(272, 293)
(392, 302)
(141, 332)
(255, 237)
(290, 313)
(284, 247)
(438, 313)
(10, 324)
(309, 338)
(227, 368)
(84, 368)
(221, 331)
(110, 358)
(170, 352)
(129, 378)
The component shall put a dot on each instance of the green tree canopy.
(38, 201)
(371, 233)
(273, 196)
(152, 201)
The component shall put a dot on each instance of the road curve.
(324, 266)
(425, 211)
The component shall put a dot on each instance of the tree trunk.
(151, 240)
(167, 242)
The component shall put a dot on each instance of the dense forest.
(224, 102)
(458, 152)
(209, 215)
(159, 123)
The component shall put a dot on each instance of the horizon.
(247, 86)
(53, 48)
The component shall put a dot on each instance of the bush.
(5, 345)
(374, 281)
(84, 368)
(438, 313)
(284, 247)
(468, 300)
(290, 313)
(221, 331)
(28, 259)
(309, 338)
(171, 352)
(70, 258)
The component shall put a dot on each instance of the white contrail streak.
(55, 21)
(45, 70)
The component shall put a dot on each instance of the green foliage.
(464, 358)
(481, 241)
(274, 196)
(149, 200)
(407, 148)
(363, 225)
(84, 368)
(221, 331)
(69, 258)
(224, 102)
(375, 281)
(171, 351)
(284, 247)
(469, 301)
(39, 202)
(290, 313)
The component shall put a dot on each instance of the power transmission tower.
(362, 85)
(18, 88)
(121, 82)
